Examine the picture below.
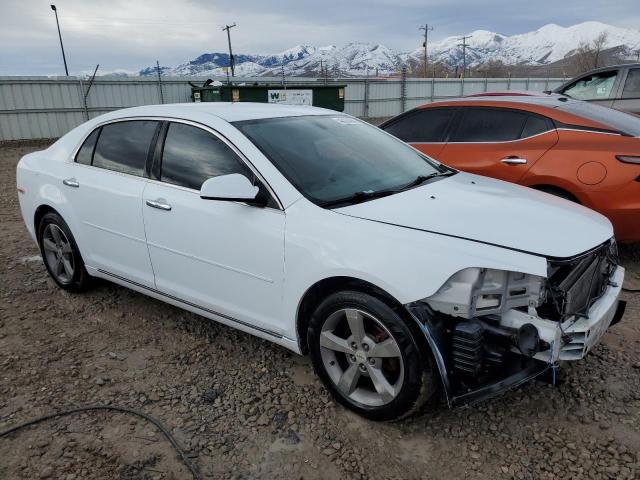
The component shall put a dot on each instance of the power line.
(464, 46)
(231, 59)
(426, 29)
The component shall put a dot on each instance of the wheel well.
(41, 211)
(558, 191)
(322, 289)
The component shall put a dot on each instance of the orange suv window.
(426, 126)
(489, 125)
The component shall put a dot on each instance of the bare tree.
(415, 69)
(491, 69)
(589, 54)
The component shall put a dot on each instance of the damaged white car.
(398, 275)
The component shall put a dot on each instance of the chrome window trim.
(497, 141)
(243, 158)
(586, 130)
(197, 192)
(518, 139)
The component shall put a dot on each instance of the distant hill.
(543, 49)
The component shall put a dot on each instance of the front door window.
(597, 86)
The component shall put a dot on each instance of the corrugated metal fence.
(41, 107)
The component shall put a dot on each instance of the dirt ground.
(245, 408)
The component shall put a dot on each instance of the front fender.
(408, 264)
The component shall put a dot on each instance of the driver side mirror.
(232, 188)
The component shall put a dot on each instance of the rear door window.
(124, 146)
(597, 86)
(192, 155)
(632, 84)
(489, 125)
(535, 125)
(85, 154)
(428, 126)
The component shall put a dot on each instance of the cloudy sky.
(131, 34)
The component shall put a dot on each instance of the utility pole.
(426, 29)
(231, 59)
(159, 81)
(464, 46)
(64, 58)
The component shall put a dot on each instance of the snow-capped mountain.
(545, 45)
(548, 44)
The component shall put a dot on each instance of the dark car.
(617, 87)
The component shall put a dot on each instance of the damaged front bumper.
(481, 357)
(572, 339)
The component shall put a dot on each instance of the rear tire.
(368, 358)
(61, 255)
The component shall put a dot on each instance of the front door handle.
(159, 204)
(514, 161)
(71, 182)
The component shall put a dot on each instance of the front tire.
(61, 255)
(368, 358)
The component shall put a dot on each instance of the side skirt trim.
(204, 309)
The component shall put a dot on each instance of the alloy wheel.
(58, 253)
(361, 357)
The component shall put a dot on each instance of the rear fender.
(45, 190)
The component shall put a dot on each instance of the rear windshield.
(626, 123)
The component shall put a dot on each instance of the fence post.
(546, 84)
(159, 82)
(433, 88)
(366, 97)
(86, 94)
(83, 98)
(403, 89)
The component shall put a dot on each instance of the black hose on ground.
(189, 464)
(631, 290)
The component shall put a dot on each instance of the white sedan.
(398, 275)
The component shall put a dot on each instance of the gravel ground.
(245, 408)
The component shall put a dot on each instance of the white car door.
(105, 187)
(221, 256)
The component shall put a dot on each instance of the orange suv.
(579, 151)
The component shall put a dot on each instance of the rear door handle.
(514, 161)
(159, 204)
(71, 182)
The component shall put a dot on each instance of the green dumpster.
(325, 96)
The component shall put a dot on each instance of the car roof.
(610, 67)
(543, 100)
(229, 111)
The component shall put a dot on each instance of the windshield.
(626, 123)
(593, 87)
(329, 158)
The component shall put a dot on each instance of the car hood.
(491, 211)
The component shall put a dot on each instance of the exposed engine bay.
(495, 329)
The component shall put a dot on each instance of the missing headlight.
(482, 291)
